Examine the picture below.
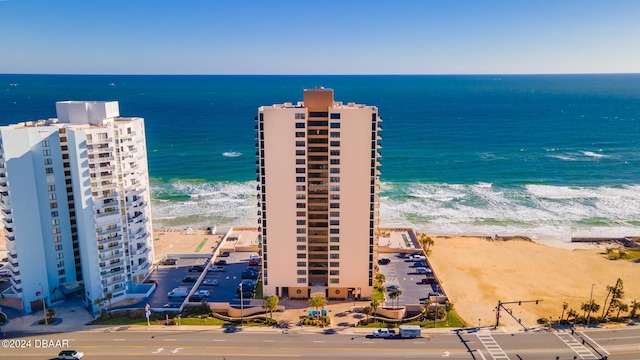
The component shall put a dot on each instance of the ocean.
(545, 156)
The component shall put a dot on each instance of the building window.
(335, 125)
(335, 170)
(302, 263)
(299, 152)
(300, 170)
(334, 222)
(59, 247)
(301, 213)
(300, 125)
(56, 230)
(334, 188)
(335, 196)
(299, 143)
(334, 143)
(302, 280)
(334, 152)
(300, 116)
(335, 161)
(335, 134)
(52, 196)
(334, 272)
(60, 263)
(301, 222)
(48, 170)
(46, 152)
(301, 256)
(299, 134)
(318, 113)
(59, 255)
(300, 161)
(302, 272)
(48, 161)
(301, 231)
(334, 256)
(51, 187)
(55, 222)
(334, 247)
(45, 143)
(334, 214)
(56, 239)
(301, 239)
(301, 196)
(301, 205)
(334, 264)
(54, 214)
(301, 188)
(334, 239)
(334, 281)
(301, 247)
(335, 206)
(300, 179)
(61, 272)
(334, 179)
(334, 231)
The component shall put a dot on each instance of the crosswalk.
(492, 346)
(576, 346)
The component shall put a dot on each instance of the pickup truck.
(384, 333)
(406, 332)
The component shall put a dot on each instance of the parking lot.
(401, 272)
(221, 285)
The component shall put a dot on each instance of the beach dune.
(476, 273)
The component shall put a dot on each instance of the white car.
(210, 282)
(216, 269)
(70, 355)
(423, 271)
(416, 257)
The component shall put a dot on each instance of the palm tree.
(588, 308)
(375, 303)
(109, 297)
(621, 307)
(99, 303)
(394, 294)
(565, 305)
(425, 306)
(426, 242)
(367, 310)
(574, 314)
(616, 293)
(50, 314)
(317, 302)
(270, 304)
(448, 306)
(380, 278)
(635, 306)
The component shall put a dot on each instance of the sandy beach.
(476, 273)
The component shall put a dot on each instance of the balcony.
(98, 159)
(108, 240)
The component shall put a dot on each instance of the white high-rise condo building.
(318, 183)
(75, 205)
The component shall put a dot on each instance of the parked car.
(423, 271)
(248, 274)
(427, 280)
(169, 261)
(383, 261)
(420, 264)
(225, 254)
(393, 287)
(70, 355)
(417, 257)
(221, 262)
(199, 295)
(210, 282)
(245, 294)
(190, 279)
(196, 268)
(179, 292)
(149, 281)
(254, 262)
(216, 269)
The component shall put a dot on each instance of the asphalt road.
(255, 343)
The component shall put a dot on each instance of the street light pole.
(44, 305)
(590, 307)
(241, 307)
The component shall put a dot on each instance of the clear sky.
(319, 36)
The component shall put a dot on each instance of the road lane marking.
(492, 346)
(219, 340)
(119, 339)
(318, 341)
(268, 340)
(169, 339)
(576, 346)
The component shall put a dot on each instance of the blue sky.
(319, 37)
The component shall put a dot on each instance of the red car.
(254, 262)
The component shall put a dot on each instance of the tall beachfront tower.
(75, 204)
(318, 183)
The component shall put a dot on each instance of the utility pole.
(241, 307)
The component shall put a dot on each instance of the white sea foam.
(231, 154)
(538, 211)
(594, 155)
